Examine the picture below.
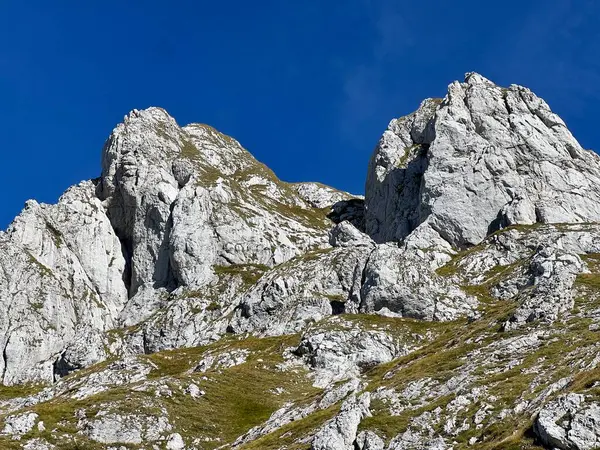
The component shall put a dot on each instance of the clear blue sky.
(307, 86)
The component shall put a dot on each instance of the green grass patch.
(249, 273)
(589, 280)
(388, 427)
(288, 435)
(56, 235)
(20, 390)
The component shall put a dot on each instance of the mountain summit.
(189, 299)
(481, 159)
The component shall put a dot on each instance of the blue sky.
(307, 87)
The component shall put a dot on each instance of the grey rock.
(344, 234)
(38, 444)
(222, 360)
(554, 273)
(186, 237)
(61, 280)
(338, 355)
(368, 440)
(403, 283)
(150, 244)
(340, 432)
(303, 291)
(175, 442)
(112, 428)
(186, 200)
(499, 154)
(569, 423)
(89, 348)
(18, 425)
(321, 196)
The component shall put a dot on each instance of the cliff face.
(481, 159)
(188, 298)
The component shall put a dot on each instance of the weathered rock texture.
(189, 299)
(482, 158)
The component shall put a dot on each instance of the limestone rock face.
(321, 196)
(190, 299)
(303, 290)
(181, 223)
(19, 425)
(482, 158)
(338, 355)
(184, 200)
(368, 440)
(554, 273)
(109, 428)
(340, 432)
(61, 279)
(344, 234)
(404, 283)
(570, 423)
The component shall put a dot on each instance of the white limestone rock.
(187, 237)
(18, 425)
(482, 158)
(340, 432)
(61, 280)
(222, 360)
(569, 423)
(87, 349)
(185, 200)
(321, 196)
(344, 234)
(403, 283)
(38, 444)
(343, 354)
(175, 442)
(112, 428)
(368, 440)
(302, 291)
(551, 293)
(162, 240)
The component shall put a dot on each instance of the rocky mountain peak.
(189, 299)
(483, 158)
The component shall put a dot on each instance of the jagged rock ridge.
(483, 158)
(189, 299)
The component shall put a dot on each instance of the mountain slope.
(190, 299)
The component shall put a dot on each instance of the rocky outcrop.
(61, 279)
(337, 355)
(345, 234)
(403, 283)
(190, 299)
(368, 440)
(550, 294)
(19, 425)
(569, 423)
(184, 200)
(303, 290)
(181, 223)
(340, 432)
(482, 158)
(111, 428)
